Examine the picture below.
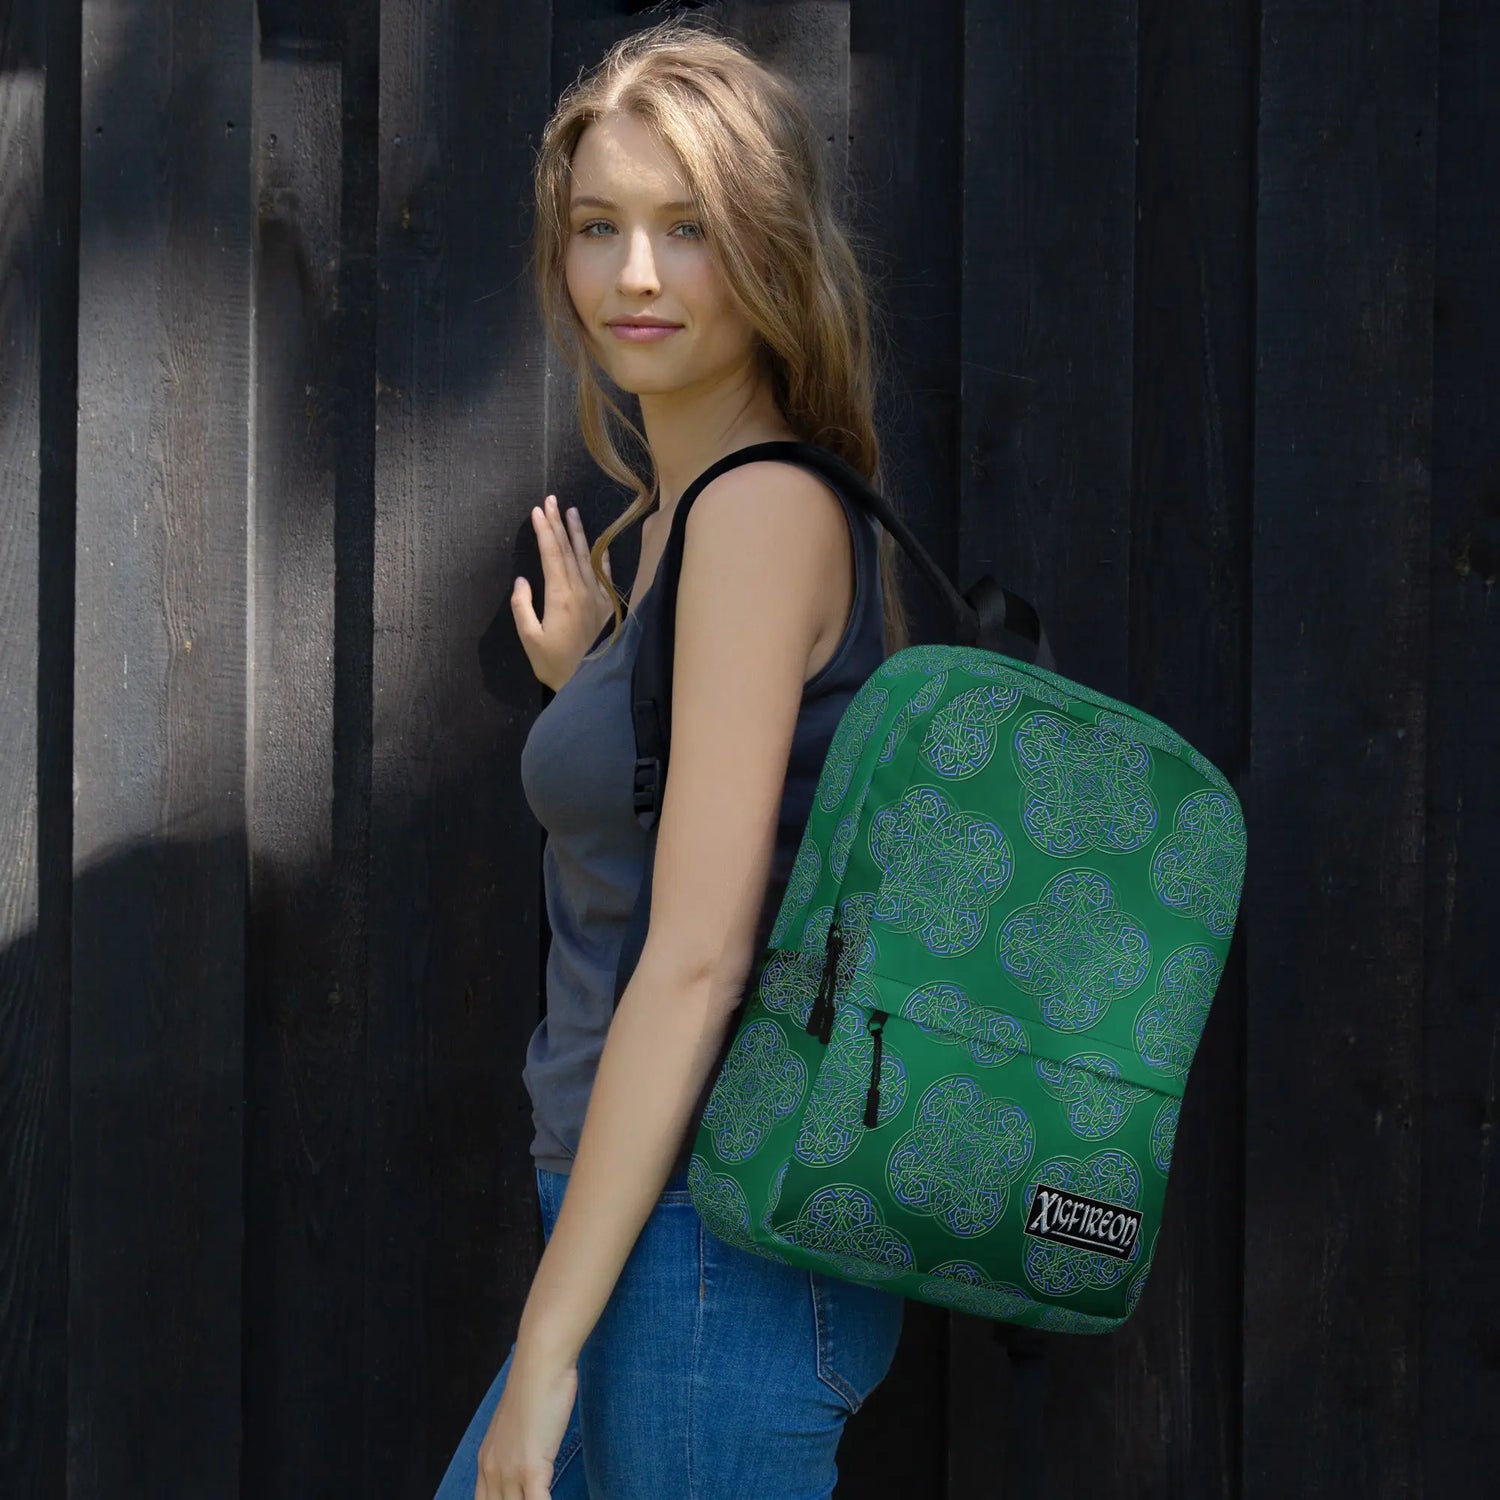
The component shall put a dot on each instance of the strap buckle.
(647, 783)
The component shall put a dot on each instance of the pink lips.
(638, 333)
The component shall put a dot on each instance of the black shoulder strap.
(984, 615)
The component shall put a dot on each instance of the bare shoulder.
(776, 502)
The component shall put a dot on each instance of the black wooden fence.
(1197, 311)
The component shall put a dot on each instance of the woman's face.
(646, 253)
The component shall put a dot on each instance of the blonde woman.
(680, 185)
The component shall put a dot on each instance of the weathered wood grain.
(38, 371)
(448, 1193)
(1459, 1234)
(1177, 1379)
(1337, 806)
(155, 1317)
(308, 789)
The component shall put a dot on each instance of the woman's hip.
(714, 1371)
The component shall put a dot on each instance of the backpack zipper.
(820, 1019)
(876, 1027)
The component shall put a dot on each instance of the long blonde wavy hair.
(754, 164)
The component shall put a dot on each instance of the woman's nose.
(639, 270)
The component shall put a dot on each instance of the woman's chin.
(634, 383)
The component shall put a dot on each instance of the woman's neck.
(671, 487)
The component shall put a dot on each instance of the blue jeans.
(712, 1374)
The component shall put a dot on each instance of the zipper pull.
(835, 949)
(875, 1026)
(820, 1019)
(815, 1014)
(825, 1031)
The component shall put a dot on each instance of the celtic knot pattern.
(921, 702)
(801, 884)
(1074, 949)
(722, 1206)
(925, 661)
(815, 929)
(834, 1121)
(761, 1083)
(1087, 787)
(789, 981)
(1153, 732)
(1171, 1022)
(978, 662)
(1056, 1270)
(842, 1223)
(1142, 731)
(842, 842)
(855, 727)
(1045, 692)
(961, 1285)
(854, 976)
(720, 1201)
(943, 869)
(1208, 771)
(1199, 867)
(1098, 1101)
(959, 1160)
(928, 660)
(963, 734)
(1163, 1133)
(946, 1013)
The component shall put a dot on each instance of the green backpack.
(958, 1069)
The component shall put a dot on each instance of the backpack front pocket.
(920, 1155)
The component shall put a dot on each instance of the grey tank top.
(577, 772)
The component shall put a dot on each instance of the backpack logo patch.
(1087, 1223)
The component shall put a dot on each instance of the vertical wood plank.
(451, 1214)
(1178, 1360)
(159, 763)
(1048, 233)
(312, 524)
(808, 42)
(38, 415)
(1460, 1217)
(1045, 487)
(905, 201)
(1343, 425)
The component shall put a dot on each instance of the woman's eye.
(605, 224)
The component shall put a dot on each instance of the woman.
(681, 183)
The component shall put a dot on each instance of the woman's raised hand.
(577, 605)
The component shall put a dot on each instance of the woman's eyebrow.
(588, 200)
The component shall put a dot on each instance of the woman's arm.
(761, 543)
(661, 1045)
